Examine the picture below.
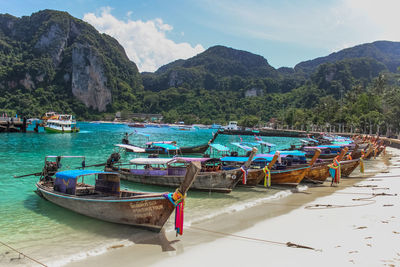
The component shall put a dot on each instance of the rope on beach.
(369, 200)
(330, 206)
(20, 253)
(287, 244)
(375, 195)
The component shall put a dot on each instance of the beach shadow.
(157, 239)
(81, 223)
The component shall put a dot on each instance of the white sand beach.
(361, 227)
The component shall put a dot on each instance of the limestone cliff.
(68, 59)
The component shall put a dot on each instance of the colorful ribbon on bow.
(267, 177)
(334, 171)
(244, 174)
(178, 200)
(361, 165)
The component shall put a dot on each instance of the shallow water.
(55, 235)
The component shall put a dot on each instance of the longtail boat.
(291, 175)
(254, 176)
(368, 152)
(105, 201)
(171, 172)
(348, 166)
(166, 147)
(199, 149)
(319, 172)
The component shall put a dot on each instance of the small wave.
(92, 252)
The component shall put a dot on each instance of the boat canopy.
(219, 147)
(331, 146)
(292, 152)
(74, 174)
(249, 143)
(310, 140)
(342, 142)
(160, 142)
(166, 146)
(265, 143)
(242, 146)
(135, 149)
(186, 159)
(315, 147)
(154, 161)
(270, 155)
(235, 159)
(260, 157)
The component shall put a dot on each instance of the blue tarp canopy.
(292, 152)
(73, 174)
(219, 147)
(235, 159)
(166, 146)
(307, 140)
(262, 158)
(342, 142)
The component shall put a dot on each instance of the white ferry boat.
(65, 123)
(231, 126)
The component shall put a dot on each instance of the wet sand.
(362, 232)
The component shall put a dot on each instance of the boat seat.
(84, 190)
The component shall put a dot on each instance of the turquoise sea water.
(55, 235)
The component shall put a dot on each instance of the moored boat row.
(106, 201)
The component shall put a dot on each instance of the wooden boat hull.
(380, 150)
(278, 177)
(200, 149)
(220, 181)
(348, 166)
(288, 177)
(370, 155)
(149, 212)
(317, 173)
(357, 154)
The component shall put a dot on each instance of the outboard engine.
(114, 158)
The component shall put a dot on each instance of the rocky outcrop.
(253, 92)
(27, 82)
(68, 58)
(88, 78)
(53, 42)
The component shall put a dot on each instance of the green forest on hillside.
(357, 87)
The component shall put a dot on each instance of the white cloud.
(145, 42)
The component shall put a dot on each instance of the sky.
(285, 32)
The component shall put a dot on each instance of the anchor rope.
(287, 244)
(20, 253)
